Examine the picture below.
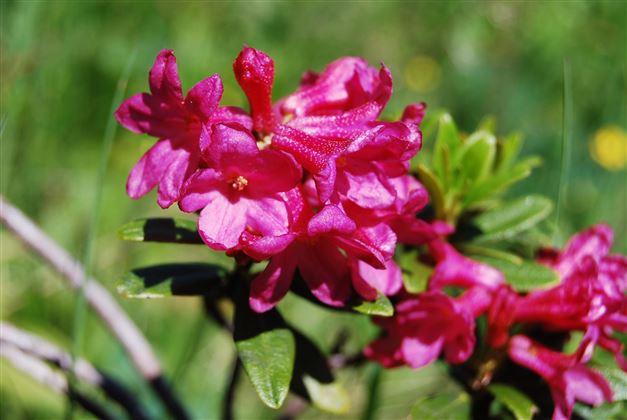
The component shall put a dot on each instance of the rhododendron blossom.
(176, 121)
(315, 181)
(318, 187)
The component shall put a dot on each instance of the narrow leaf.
(497, 183)
(381, 306)
(523, 277)
(514, 217)
(186, 279)
(445, 405)
(476, 157)
(180, 231)
(517, 402)
(446, 144)
(507, 151)
(435, 189)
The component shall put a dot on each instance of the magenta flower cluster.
(591, 298)
(317, 183)
(314, 182)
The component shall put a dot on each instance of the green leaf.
(517, 402)
(477, 250)
(523, 277)
(507, 151)
(445, 405)
(187, 279)
(500, 181)
(268, 359)
(381, 306)
(435, 189)
(617, 379)
(266, 348)
(313, 379)
(415, 273)
(180, 231)
(476, 157)
(514, 217)
(614, 411)
(446, 145)
(332, 397)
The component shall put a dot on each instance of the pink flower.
(591, 294)
(176, 121)
(313, 247)
(422, 327)
(568, 379)
(239, 191)
(453, 269)
(345, 84)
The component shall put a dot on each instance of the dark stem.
(162, 388)
(229, 396)
(90, 405)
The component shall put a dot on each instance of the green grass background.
(61, 61)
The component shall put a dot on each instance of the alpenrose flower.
(589, 298)
(569, 379)
(315, 182)
(176, 121)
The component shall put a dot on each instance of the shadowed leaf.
(179, 231)
(191, 279)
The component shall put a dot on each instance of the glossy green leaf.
(447, 143)
(444, 405)
(268, 359)
(514, 217)
(517, 402)
(498, 182)
(180, 231)
(186, 279)
(476, 157)
(612, 411)
(435, 189)
(380, 307)
(523, 277)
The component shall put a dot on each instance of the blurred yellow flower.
(422, 73)
(608, 148)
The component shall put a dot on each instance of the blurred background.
(61, 63)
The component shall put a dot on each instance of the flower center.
(239, 183)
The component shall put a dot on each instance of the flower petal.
(325, 271)
(204, 98)
(200, 189)
(150, 169)
(331, 219)
(164, 78)
(227, 146)
(269, 287)
(254, 71)
(222, 222)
